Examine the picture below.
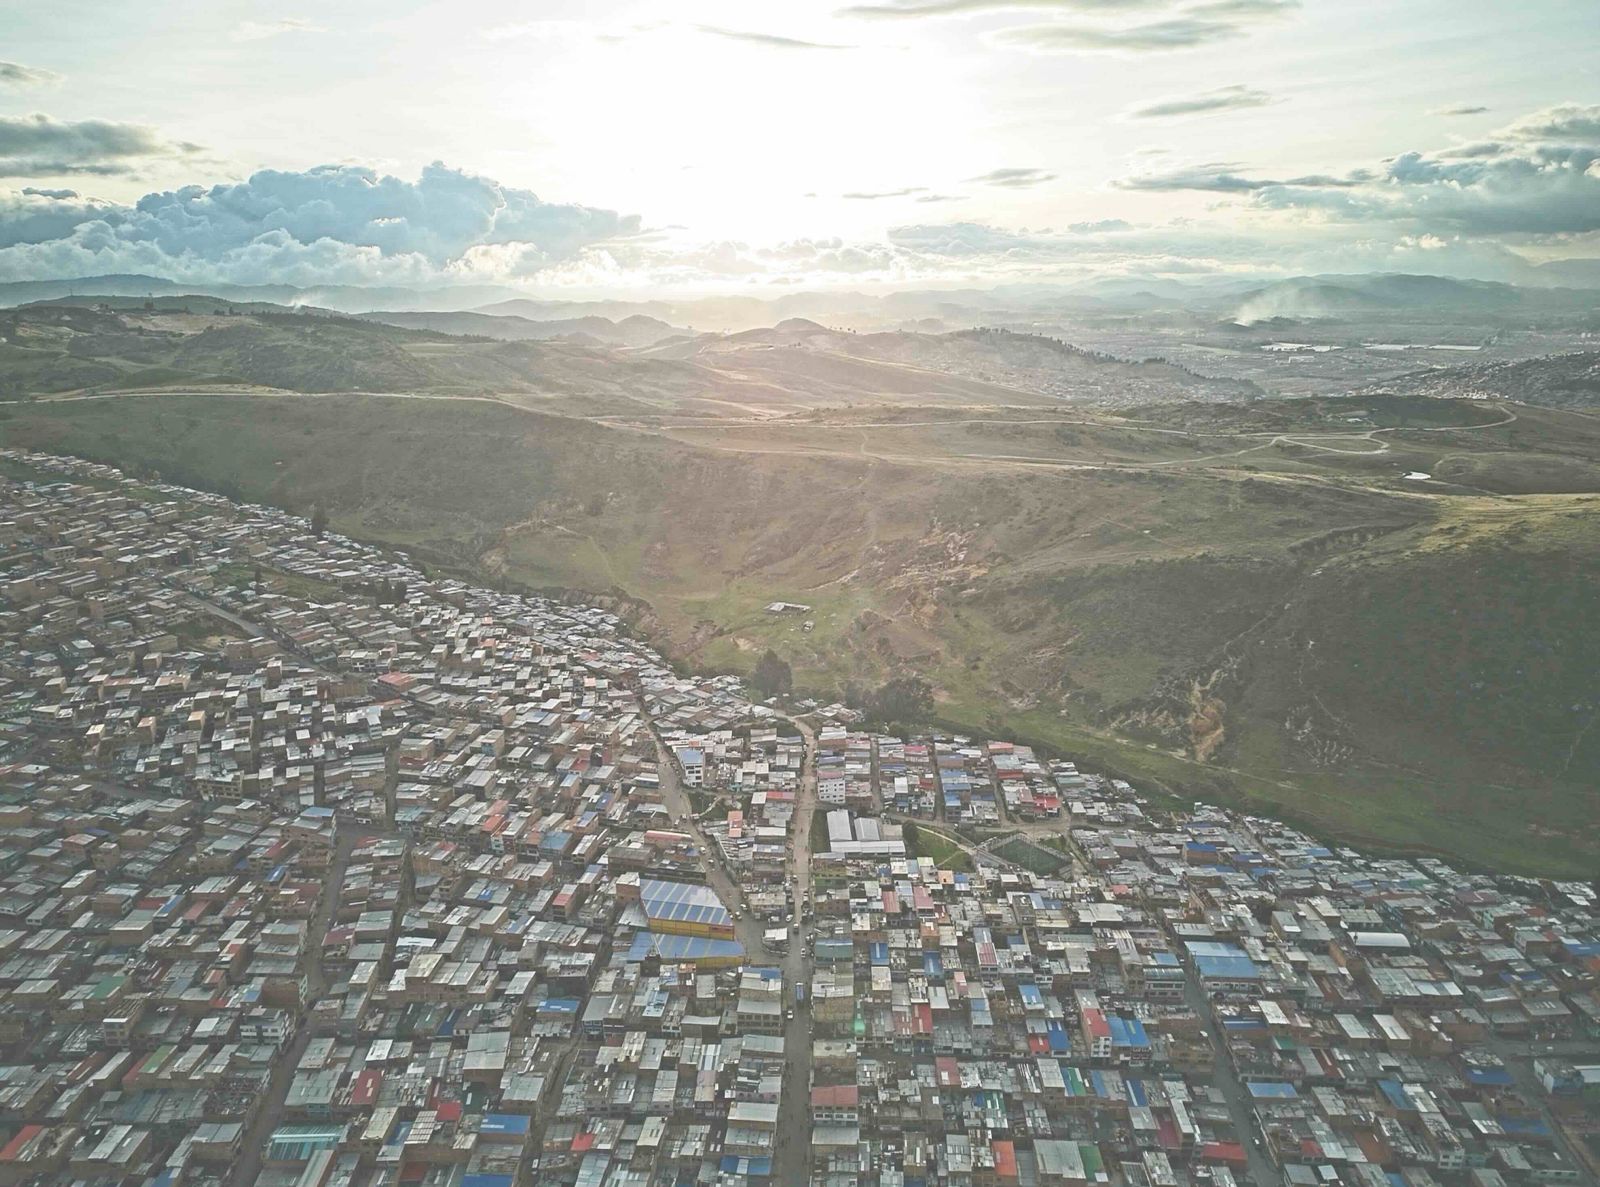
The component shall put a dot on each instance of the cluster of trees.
(900, 700)
(772, 676)
(384, 592)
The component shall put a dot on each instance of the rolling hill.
(1558, 381)
(1368, 614)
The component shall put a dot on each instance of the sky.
(708, 146)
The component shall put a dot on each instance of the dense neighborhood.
(319, 869)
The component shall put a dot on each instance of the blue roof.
(1127, 1032)
(1496, 1076)
(1396, 1094)
(879, 952)
(508, 1123)
(683, 902)
(1272, 1090)
(1532, 1126)
(482, 1180)
(1227, 968)
(1056, 1034)
(1137, 1096)
(559, 1005)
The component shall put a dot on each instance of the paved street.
(794, 1113)
(793, 1152)
(1262, 1173)
(270, 1115)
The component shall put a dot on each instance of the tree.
(772, 676)
(319, 521)
(902, 699)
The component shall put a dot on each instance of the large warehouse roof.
(682, 902)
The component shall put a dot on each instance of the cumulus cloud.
(1566, 122)
(39, 146)
(16, 76)
(1233, 98)
(1538, 176)
(335, 224)
(1014, 179)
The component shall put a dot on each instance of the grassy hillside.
(1254, 605)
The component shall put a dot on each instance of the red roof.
(365, 1089)
(1223, 1152)
(14, 1146)
(837, 1096)
(1005, 1160)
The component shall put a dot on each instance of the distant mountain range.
(1557, 287)
(1305, 297)
(636, 330)
(344, 298)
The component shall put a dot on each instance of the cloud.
(874, 195)
(1224, 179)
(335, 224)
(770, 40)
(1153, 37)
(942, 198)
(936, 8)
(1537, 177)
(20, 77)
(261, 30)
(31, 191)
(1459, 109)
(1015, 179)
(1566, 122)
(1244, 9)
(39, 146)
(1233, 98)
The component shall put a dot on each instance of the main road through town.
(792, 1142)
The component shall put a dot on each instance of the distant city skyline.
(629, 149)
